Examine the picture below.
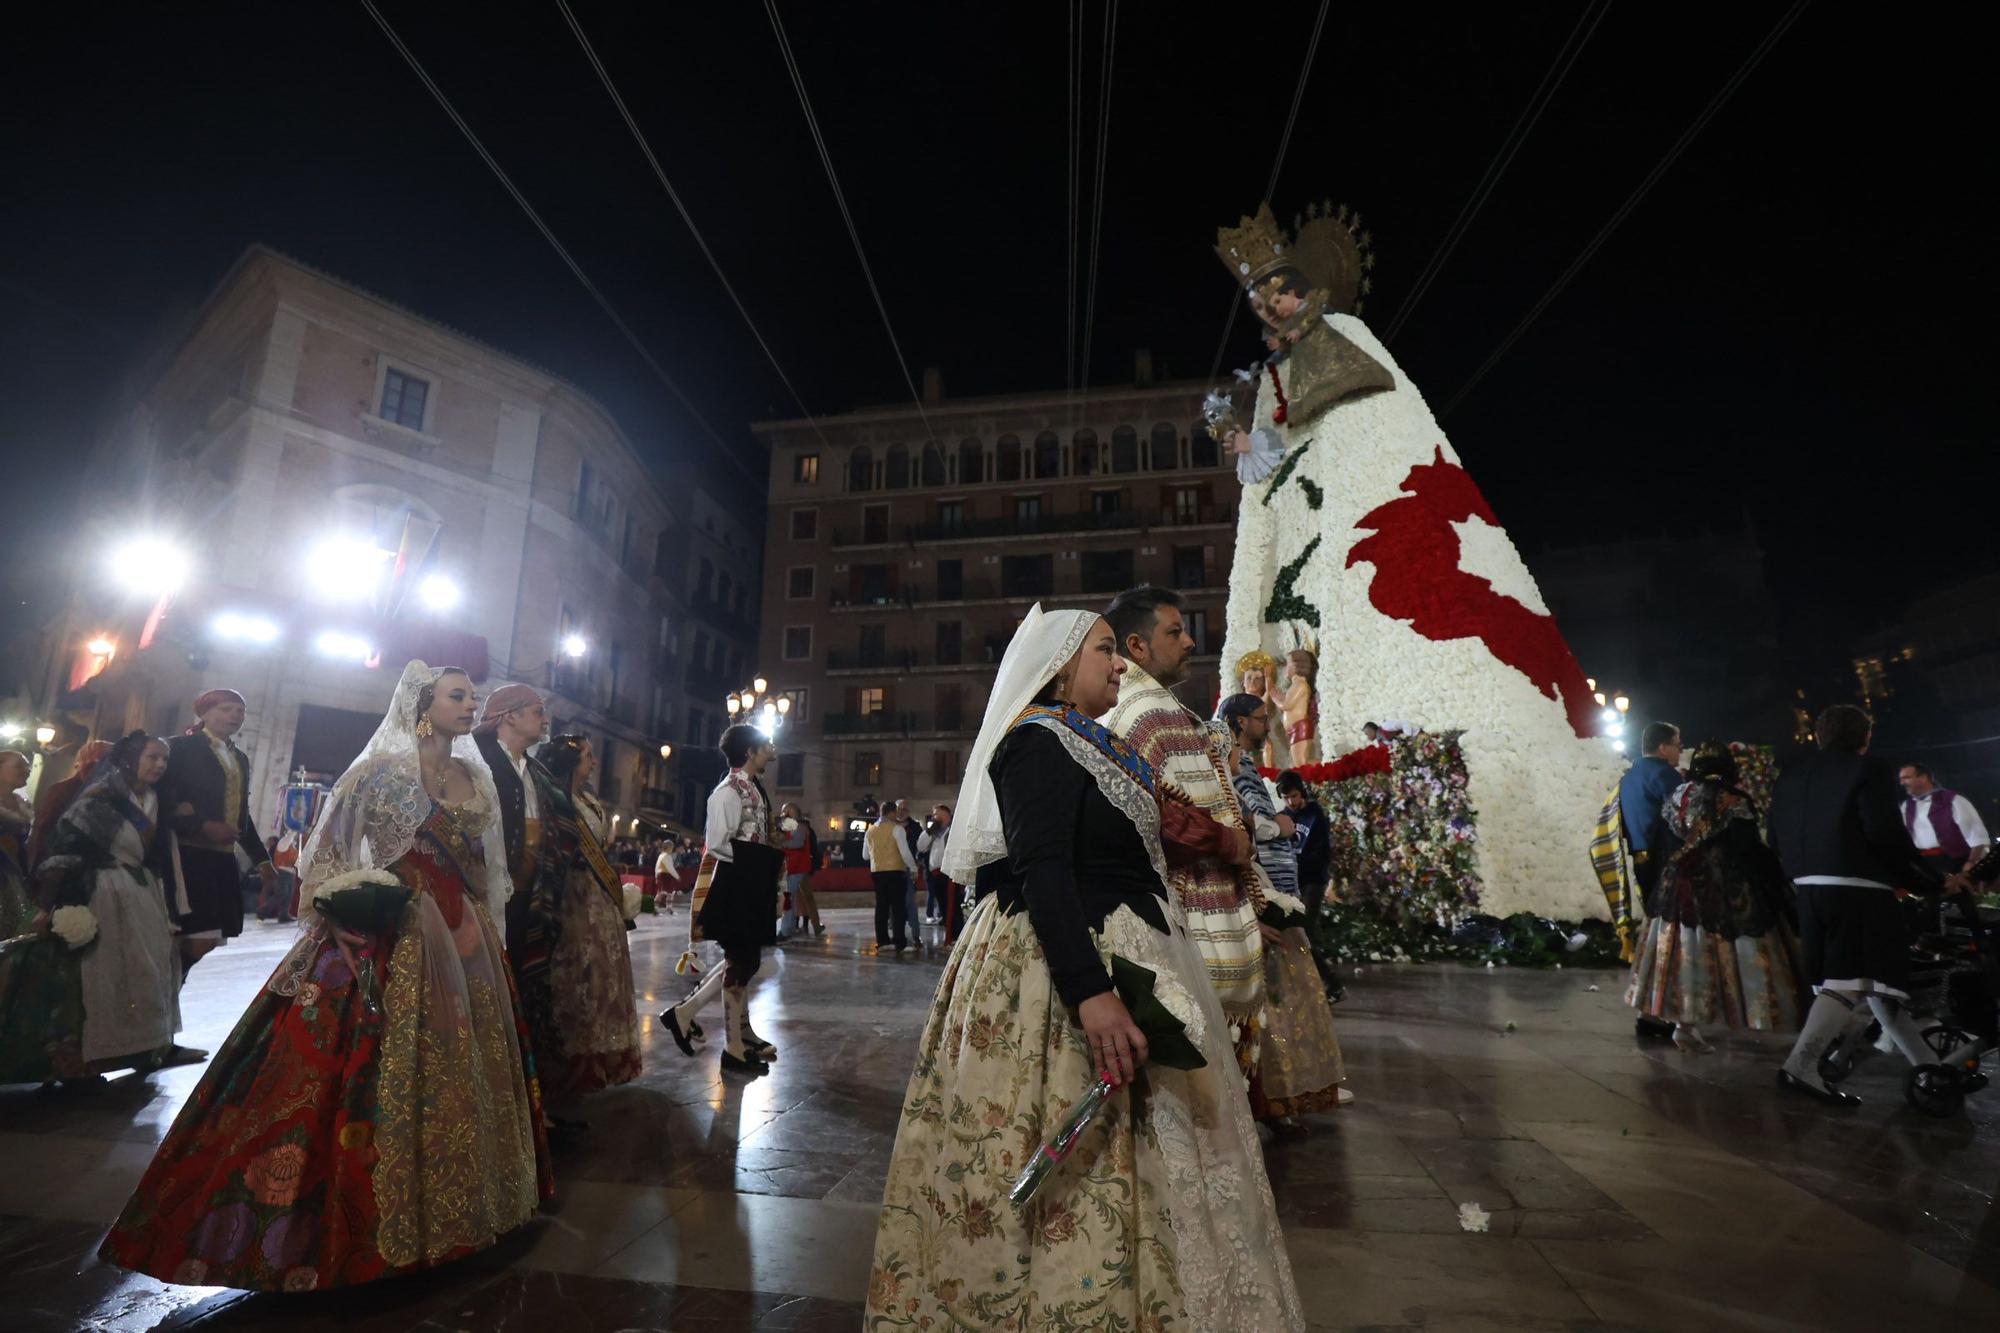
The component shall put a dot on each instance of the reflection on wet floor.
(1624, 1185)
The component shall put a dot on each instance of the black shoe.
(673, 1026)
(1649, 1028)
(1973, 1081)
(760, 1049)
(748, 1064)
(1831, 1096)
(695, 1034)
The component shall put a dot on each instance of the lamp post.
(755, 705)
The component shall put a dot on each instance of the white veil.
(1041, 647)
(379, 803)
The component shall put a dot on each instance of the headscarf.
(505, 700)
(208, 699)
(373, 814)
(1042, 647)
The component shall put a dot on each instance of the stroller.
(1955, 979)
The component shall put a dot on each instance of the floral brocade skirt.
(1684, 974)
(594, 1041)
(1160, 1218)
(1299, 1068)
(352, 1127)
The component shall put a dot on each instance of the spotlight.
(252, 629)
(574, 645)
(346, 569)
(343, 646)
(439, 593)
(12, 731)
(150, 566)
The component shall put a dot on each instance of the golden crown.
(1253, 248)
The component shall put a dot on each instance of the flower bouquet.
(367, 902)
(1167, 1043)
(74, 926)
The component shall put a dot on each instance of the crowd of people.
(1810, 932)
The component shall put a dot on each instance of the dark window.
(933, 465)
(1007, 459)
(1190, 567)
(805, 469)
(403, 398)
(663, 555)
(1085, 442)
(970, 458)
(871, 583)
(704, 583)
(1203, 448)
(944, 767)
(1027, 575)
(874, 645)
(586, 484)
(1124, 450)
(1197, 631)
(861, 470)
(896, 468)
(1187, 505)
(1166, 447)
(697, 722)
(799, 583)
(1107, 502)
(867, 768)
(617, 666)
(805, 524)
(951, 580)
(798, 642)
(950, 638)
(1048, 455)
(950, 707)
(791, 772)
(875, 523)
(951, 515)
(1027, 509)
(1107, 571)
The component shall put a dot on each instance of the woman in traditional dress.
(1161, 1217)
(17, 821)
(596, 1013)
(372, 1113)
(796, 837)
(99, 988)
(1299, 1068)
(1721, 942)
(54, 799)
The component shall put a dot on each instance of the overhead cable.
(1097, 206)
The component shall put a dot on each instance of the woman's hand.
(1272, 935)
(1117, 1046)
(342, 935)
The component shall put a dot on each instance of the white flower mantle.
(1537, 787)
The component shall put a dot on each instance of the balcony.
(902, 661)
(897, 724)
(1041, 525)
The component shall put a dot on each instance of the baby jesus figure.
(1300, 704)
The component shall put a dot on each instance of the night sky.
(1787, 322)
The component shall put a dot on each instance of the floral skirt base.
(1684, 974)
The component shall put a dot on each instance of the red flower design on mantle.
(1416, 555)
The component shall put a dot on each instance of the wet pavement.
(1625, 1186)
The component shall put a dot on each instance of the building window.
(805, 469)
(798, 643)
(932, 469)
(950, 516)
(1191, 566)
(1197, 632)
(1007, 459)
(1107, 502)
(1085, 444)
(403, 399)
(697, 727)
(871, 701)
(1124, 450)
(1166, 447)
(896, 468)
(874, 584)
(970, 459)
(798, 711)
(875, 524)
(1107, 571)
(867, 768)
(1048, 455)
(861, 469)
(951, 580)
(1187, 505)
(1027, 509)
(950, 707)
(791, 772)
(805, 525)
(799, 582)
(1203, 449)
(874, 649)
(950, 642)
(944, 767)
(1027, 575)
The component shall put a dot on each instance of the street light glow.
(346, 568)
(1618, 746)
(1610, 715)
(733, 704)
(666, 752)
(343, 646)
(44, 734)
(248, 628)
(439, 593)
(11, 731)
(574, 645)
(150, 566)
(785, 704)
(759, 685)
(1622, 703)
(100, 647)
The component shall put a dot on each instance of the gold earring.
(425, 728)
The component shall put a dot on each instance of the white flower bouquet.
(74, 926)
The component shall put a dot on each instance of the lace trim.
(1126, 796)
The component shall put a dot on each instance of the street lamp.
(755, 701)
(574, 645)
(44, 734)
(1623, 704)
(666, 752)
(150, 566)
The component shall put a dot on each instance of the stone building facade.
(351, 485)
(904, 547)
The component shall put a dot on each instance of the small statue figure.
(1301, 705)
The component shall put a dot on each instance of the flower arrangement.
(1756, 775)
(1404, 834)
(1354, 764)
(74, 926)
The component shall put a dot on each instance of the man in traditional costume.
(1632, 841)
(515, 718)
(206, 794)
(1218, 891)
(1943, 824)
(735, 902)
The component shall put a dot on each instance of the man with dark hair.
(1151, 633)
(891, 863)
(1312, 838)
(1837, 829)
(931, 844)
(205, 799)
(735, 902)
(1637, 813)
(1943, 824)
